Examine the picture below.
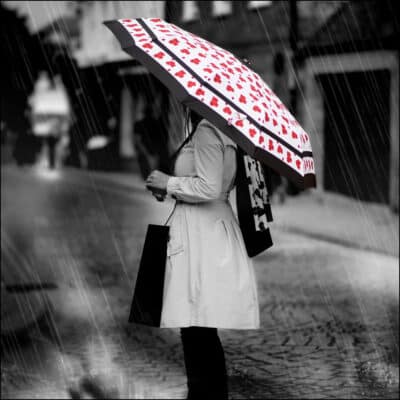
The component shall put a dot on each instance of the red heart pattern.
(239, 123)
(233, 84)
(214, 102)
(200, 92)
(217, 78)
(270, 145)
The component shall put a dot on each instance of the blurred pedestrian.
(57, 141)
(209, 279)
(50, 118)
(77, 150)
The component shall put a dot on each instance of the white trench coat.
(209, 279)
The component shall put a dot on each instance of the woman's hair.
(193, 117)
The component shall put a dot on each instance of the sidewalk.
(340, 219)
(327, 216)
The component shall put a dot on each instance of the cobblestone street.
(329, 313)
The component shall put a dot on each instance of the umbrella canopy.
(217, 85)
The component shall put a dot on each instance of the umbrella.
(217, 85)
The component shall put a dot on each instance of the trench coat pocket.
(222, 242)
(173, 250)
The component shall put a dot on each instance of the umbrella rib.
(212, 89)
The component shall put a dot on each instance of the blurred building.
(59, 40)
(350, 102)
(116, 87)
(19, 71)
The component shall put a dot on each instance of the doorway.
(357, 134)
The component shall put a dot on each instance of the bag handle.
(170, 215)
(172, 158)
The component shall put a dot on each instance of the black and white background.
(74, 209)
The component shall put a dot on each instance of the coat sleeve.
(208, 157)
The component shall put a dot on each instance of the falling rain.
(83, 124)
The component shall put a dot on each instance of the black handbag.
(148, 294)
(256, 240)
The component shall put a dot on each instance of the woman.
(209, 281)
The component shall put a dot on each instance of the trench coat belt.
(224, 198)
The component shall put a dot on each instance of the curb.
(336, 240)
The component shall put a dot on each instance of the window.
(221, 8)
(259, 4)
(190, 11)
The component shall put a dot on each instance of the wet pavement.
(329, 313)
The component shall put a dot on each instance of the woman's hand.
(156, 182)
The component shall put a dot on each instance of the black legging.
(51, 142)
(205, 363)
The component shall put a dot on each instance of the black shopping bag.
(149, 289)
